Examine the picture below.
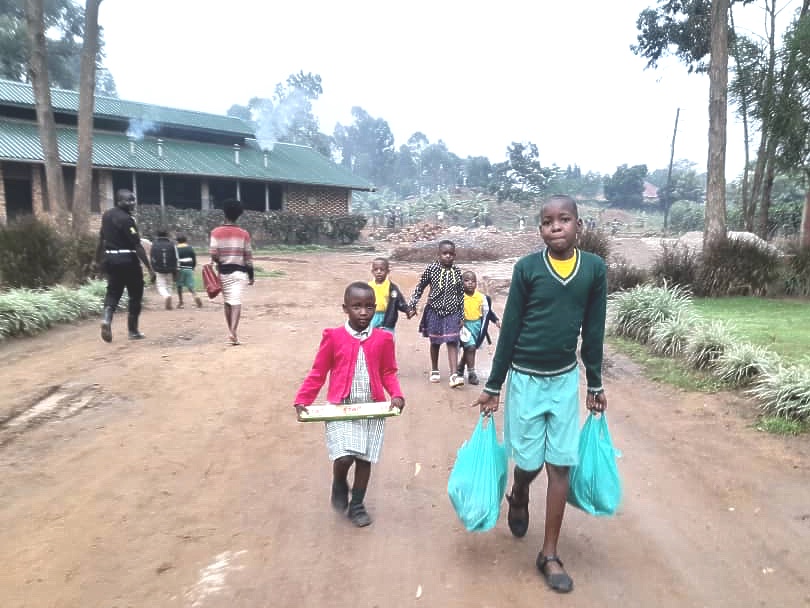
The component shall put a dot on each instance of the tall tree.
(715, 230)
(366, 147)
(64, 23)
(82, 190)
(38, 72)
(521, 179)
(625, 188)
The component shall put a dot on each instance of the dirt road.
(173, 473)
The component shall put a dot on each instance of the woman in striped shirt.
(231, 252)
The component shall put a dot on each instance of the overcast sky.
(476, 75)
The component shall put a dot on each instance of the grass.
(670, 371)
(781, 325)
(781, 426)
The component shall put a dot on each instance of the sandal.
(518, 515)
(358, 515)
(435, 376)
(558, 581)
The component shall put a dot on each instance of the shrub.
(621, 275)
(707, 342)
(79, 261)
(737, 267)
(31, 254)
(784, 392)
(669, 337)
(685, 216)
(595, 241)
(742, 363)
(797, 272)
(676, 264)
(633, 313)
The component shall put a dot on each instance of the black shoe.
(472, 378)
(106, 324)
(518, 515)
(340, 497)
(132, 325)
(358, 515)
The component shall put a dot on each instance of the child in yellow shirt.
(390, 301)
(477, 315)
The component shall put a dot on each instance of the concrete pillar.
(205, 195)
(238, 191)
(266, 197)
(134, 185)
(3, 214)
(162, 197)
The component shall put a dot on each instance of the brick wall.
(38, 193)
(317, 200)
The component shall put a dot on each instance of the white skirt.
(232, 285)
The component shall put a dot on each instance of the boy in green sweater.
(556, 294)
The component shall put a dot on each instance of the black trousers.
(120, 276)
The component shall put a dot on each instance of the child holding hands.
(442, 317)
(477, 315)
(361, 364)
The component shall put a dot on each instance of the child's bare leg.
(452, 356)
(469, 358)
(434, 357)
(340, 484)
(555, 509)
(357, 511)
(179, 296)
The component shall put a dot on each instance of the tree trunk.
(805, 234)
(40, 81)
(87, 85)
(767, 189)
(715, 230)
(747, 205)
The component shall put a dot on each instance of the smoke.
(139, 127)
(274, 121)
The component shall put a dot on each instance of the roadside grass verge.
(748, 343)
(780, 325)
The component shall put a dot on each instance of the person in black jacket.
(390, 301)
(119, 251)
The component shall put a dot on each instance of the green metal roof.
(21, 94)
(286, 163)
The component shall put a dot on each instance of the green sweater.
(543, 318)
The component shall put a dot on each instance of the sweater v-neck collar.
(544, 254)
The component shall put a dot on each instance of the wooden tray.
(352, 411)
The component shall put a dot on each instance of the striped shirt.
(230, 246)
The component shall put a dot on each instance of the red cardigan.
(337, 357)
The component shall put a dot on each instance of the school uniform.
(361, 367)
(545, 314)
(390, 302)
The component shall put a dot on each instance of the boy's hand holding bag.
(478, 480)
(595, 486)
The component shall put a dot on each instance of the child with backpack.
(186, 262)
(477, 315)
(164, 262)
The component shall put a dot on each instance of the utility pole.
(668, 193)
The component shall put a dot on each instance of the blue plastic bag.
(478, 480)
(595, 486)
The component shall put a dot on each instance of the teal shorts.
(541, 419)
(377, 319)
(185, 278)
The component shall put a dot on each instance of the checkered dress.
(362, 438)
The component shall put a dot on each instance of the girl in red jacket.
(362, 367)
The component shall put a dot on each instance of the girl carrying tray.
(361, 365)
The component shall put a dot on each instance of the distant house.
(166, 156)
(650, 193)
